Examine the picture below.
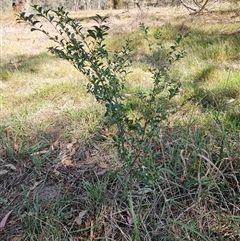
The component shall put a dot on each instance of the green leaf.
(91, 33)
(51, 18)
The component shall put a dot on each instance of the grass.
(62, 177)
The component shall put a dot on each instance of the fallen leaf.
(3, 172)
(103, 165)
(182, 179)
(68, 163)
(65, 162)
(54, 145)
(60, 155)
(17, 237)
(80, 216)
(40, 152)
(129, 218)
(56, 172)
(73, 151)
(35, 185)
(4, 220)
(101, 172)
(69, 146)
(87, 154)
(11, 166)
(230, 101)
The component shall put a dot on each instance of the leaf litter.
(67, 165)
(4, 221)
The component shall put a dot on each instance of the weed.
(107, 76)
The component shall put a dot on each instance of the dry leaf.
(80, 216)
(101, 172)
(69, 146)
(40, 152)
(68, 163)
(56, 172)
(182, 179)
(54, 145)
(87, 154)
(230, 101)
(17, 237)
(11, 166)
(103, 165)
(4, 220)
(35, 185)
(2, 172)
(73, 151)
(129, 218)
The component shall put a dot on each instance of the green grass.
(56, 137)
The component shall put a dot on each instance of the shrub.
(135, 137)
